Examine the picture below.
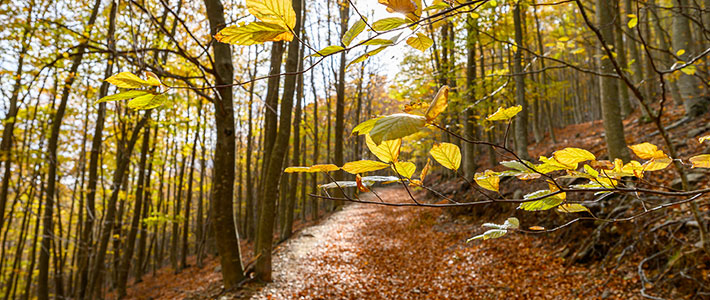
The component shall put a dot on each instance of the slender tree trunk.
(122, 165)
(469, 166)
(613, 127)
(287, 224)
(58, 116)
(225, 232)
(620, 51)
(521, 124)
(137, 211)
(249, 215)
(274, 170)
(682, 37)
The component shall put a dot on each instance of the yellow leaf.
(488, 180)
(647, 151)
(404, 168)
(680, 52)
(704, 138)
(128, 80)
(312, 169)
(410, 8)
(324, 168)
(689, 70)
(572, 156)
(296, 169)
(387, 151)
(148, 101)
(152, 79)
(253, 33)
(327, 51)
(361, 186)
(277, 12)
(362, 166)
(504, 114)
(701, 161)
(425, 171)
(550, 165)
(420, 42)
(633, 167)
(446, 154)
(633, 21)
(123, 96)
(656, 164)
(572, 208)
(438, 105)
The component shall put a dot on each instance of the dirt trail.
(376, 252)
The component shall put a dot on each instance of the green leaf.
(542, 204)
(149, 101)
(498, 230)
(490, 234)
(396, 126)
(362, 166)
(388, 23)
(420, 42)
(353, 32)
(327, 51)
(516, 165)
(447, 154)
(378, 42)
(123, 96)
(365, 56)
(365, 127)
(253, 33)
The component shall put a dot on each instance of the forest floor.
(380, 252)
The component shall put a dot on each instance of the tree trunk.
(613, 127)
(521, 124)
(469, 159)
(274, 169)
(682, 37)
(137, 211)
(48, 229)
(224, 157)
(122, 164)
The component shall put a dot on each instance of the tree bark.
(274, 170)
(521, 124)
(613, 127)
(224, 157)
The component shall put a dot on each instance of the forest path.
(379, 252)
